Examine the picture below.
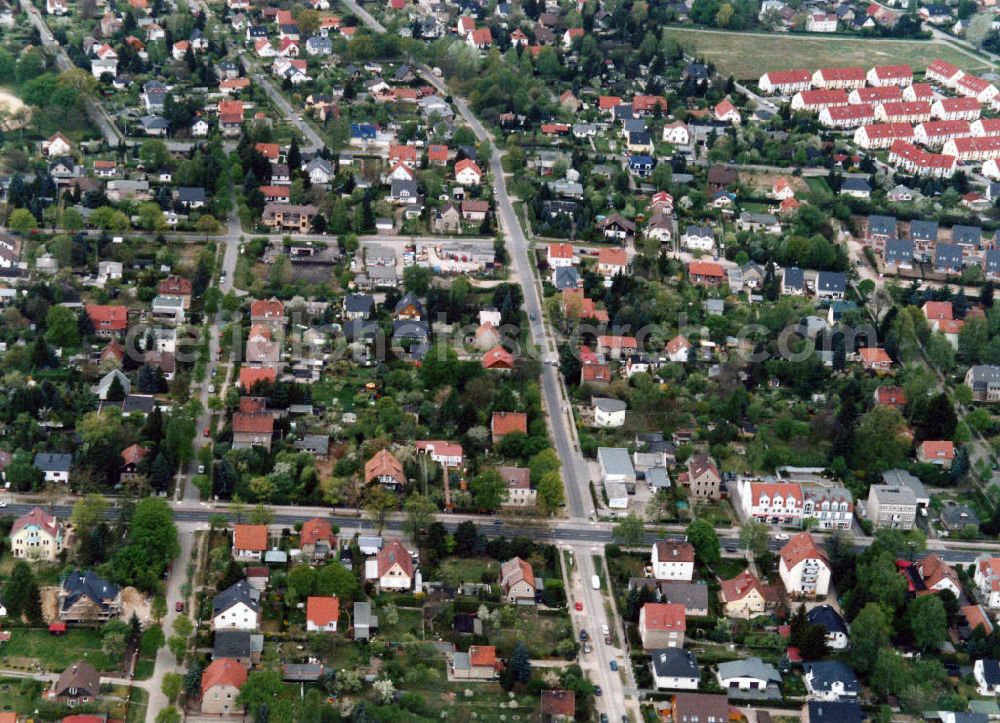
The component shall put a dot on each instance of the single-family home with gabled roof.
(237, 607)
(394, 567)
(55, 467)
(322, 613)
(831, 680)
(249, 542)
(79, 684)
(221, 682)
(517, 581)
(386, 469)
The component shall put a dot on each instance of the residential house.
(939, 452)
(892, 506)
(316, 539)
(386, 469)
(662, 625)
(54, 467)
(249, 542)
(828, 618)
(748, 674)
(517, 582)
(674, 669)
(236, 608)
(322, 614)
(987, 580)
(745, 596)
(480, 663)
(557, 706)
(803, 567)
(987, 676)
(504, 423)
(984, 382)
(221, 682)
(519, 491)
(699, 708)
(608, 413)
(394, 567)
(85, 597)
(673, 560)
(702, 478)
(830, 680)
(79, 684)
(37, 535)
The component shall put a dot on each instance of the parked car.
(578, 606)
(179, 607)
(614, 666)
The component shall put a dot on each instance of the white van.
(595, 582)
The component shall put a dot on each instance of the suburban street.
(95, 110)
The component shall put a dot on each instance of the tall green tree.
(928, 621)
(870, 632)
(151, 545)
(489, 491)
(629, 531)
(702, 537)
(61, 327)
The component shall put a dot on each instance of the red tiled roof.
(484, 655)
(315, 530)
(113, 318)
(875, 355)
(607, 102)
(937, 449)
(560, 251)
(250, 537)
(250, 376)
(740, 586)
(612, 257)
(465, 163)
(558, 703)
(37, 516)
(938, 310)
(664, 616)
(831, 74)
(394, 553)
(268, 309)
(384, 464)
(175, 285)
(322, 611)
(253, 423)
(705, 268)
(504, 423)
(133, 454)
(498, 358)
(788, 77)
(801, 547)
(892, 395)
(893, 71)
(223, 671)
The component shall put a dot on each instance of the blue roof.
(827, 672)
(841, 711)
(882, 225)
(362, 130)
(828, 617)
(924, 230)
(794, 278)
(898, 249)
(640, 160)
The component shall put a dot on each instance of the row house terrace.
(846, 78)
(919, 91)
(956, 109)
(875, 95)
(818, 99)
(937, 133)
(882, 135)
(903, 112)
(847, 116)
(920, 162)
(785, 82)
(944, 73)
(890, 75)
(973, 86)
(971, 148)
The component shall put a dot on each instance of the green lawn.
(455, 571)
(32, 645)
(749, 56)
(19, 694)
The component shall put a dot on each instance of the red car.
(208, 432)
(179, 607)
(578, 606)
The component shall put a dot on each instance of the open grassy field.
(749, 55)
